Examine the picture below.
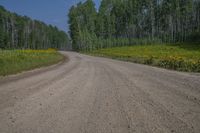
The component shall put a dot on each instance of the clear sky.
(49, 11)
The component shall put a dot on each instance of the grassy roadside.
(15, 61)
(176, 56)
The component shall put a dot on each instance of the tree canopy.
(21, 32)
(128, 22)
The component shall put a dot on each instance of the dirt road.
(97, 95)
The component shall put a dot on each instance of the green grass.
(15, 61)
(176, 56)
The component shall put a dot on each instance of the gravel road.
(96, 95)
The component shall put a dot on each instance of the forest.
(130, 22)
(21, 32)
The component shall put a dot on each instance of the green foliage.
(177, 56)
(15, 61)
(17, 32)
(194, 37)
(133, 22)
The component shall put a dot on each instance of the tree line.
(21, 32)
(129, 22)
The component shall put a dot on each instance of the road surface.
(96, 95)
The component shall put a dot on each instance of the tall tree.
(129, 22)
(22, 32)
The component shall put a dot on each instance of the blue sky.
(49, 11)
